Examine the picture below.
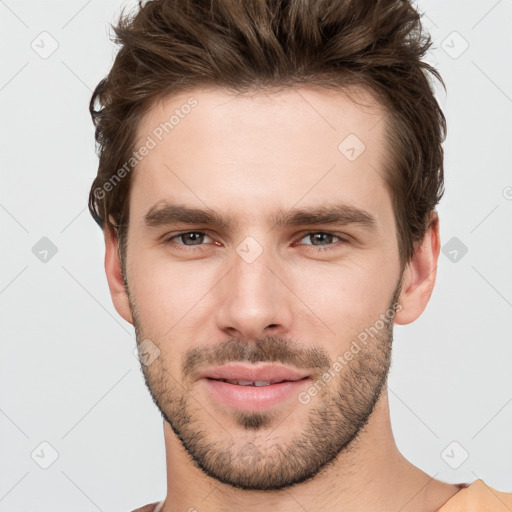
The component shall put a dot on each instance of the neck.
(371, 475)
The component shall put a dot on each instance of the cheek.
(166, 291)
(346, 297)
(184, 297)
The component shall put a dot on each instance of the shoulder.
(479, 497)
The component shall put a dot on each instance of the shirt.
(478, 497)
(475, 497)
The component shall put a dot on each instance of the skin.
(247, 156)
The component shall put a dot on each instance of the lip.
(253, 398)
(271, 372)
(285, 382)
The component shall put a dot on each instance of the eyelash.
(183, 247)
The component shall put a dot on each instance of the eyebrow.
(164, 213)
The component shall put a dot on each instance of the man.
(268, 177)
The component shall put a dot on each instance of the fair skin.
(247, 157)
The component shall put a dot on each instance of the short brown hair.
(170, 46)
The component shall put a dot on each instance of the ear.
(114, 273)
(420, 275)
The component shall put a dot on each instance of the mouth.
(249, 388)
(256, 383)
(251, 375)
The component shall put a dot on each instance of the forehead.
(216, 112)
(215, 147)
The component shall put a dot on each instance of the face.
(262, 247)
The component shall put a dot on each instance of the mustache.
(270, 349)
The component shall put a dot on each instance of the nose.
(254, 299)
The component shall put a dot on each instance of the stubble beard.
(259, 452)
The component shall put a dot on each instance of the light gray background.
(68, 375)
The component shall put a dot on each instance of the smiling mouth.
(257, 383)
(253, 395)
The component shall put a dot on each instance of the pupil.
(192, 235)
(316, 235)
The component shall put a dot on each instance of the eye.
(196, 237)
(321, 241)
(321, 237)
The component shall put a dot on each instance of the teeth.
(249, 382)
(243, 382)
